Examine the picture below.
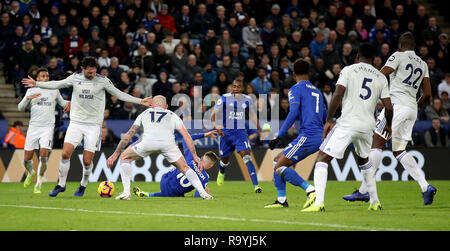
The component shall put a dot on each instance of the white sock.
(125, 173)
(64, 166)
(195, 181)
(320, 181)
(310, 189)
(29, 166)
(375, 159)
(281, 199)
(86, 172)
(369, 172)
(41, 171)
(410, 164)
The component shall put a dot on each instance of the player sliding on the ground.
(232, 108)
(306, 103)
(358, 89)
(407, 72)
(42, 104)
(158, 124)
(174, 183)
(86, 116)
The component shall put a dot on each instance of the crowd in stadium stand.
(167, 47)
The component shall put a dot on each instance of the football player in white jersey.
(86, 116)
(358, 88)
(408, 73)
(42, 104)
(158, 124)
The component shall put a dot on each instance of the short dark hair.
(41, 70)
(301, 67)
(407, 40)
(367, 50)
(211, 156)
(89, 62)
(18, 123)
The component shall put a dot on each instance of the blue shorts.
(303, 146)
(228, 143)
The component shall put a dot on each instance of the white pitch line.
(210, 217)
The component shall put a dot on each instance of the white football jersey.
(364, 86)
(158, 124)
(42, 110)
(88, 96)
(405, 81)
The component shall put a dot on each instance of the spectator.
(72, 43)
(167, 21)
(183, 20)
(209, 75)
(322, 27)
(222, 82)
(109, 140)
(445, 101)
(318, 45)
(25, 58)
(162, 86)
(62, 28)
(242, 18)
(235, 30)
(286, 28)
(114, 50)
(330, 56)
(216, 58)
(269, 35)
(227, 68)
(161, 60)
(144, 85)
(143, 59)
(436, 110)
(179, 60)
(114, 70)
(15, 137)
(226, 42)
(435, 136)
(379, 27)
(261, 84)
(106, 29)
(249, 70)
(95, 42)
(444, 86)
(284, 105)
(327, 94)
(360, 31)
(347, 58)
(251, 36)
(237, 60)
(201, 22)
(104, 60)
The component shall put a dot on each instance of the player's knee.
(323, 157)
(87, 162)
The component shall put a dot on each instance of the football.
(106, 189)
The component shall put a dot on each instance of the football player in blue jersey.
(174, 183)
(306, 104)
(231, 110)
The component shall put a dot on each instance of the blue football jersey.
(233, 112)
(178, 183)
(312, 112)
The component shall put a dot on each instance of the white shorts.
(169, 150)
(90, 134)
(402, 124)
(39, 137)
(339, 139)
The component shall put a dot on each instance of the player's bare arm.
(190, 144)
(213, 121)
(36, 95)
(426, 91)
(336, 101)
(386, 70)
(122, 145)
(388, 113)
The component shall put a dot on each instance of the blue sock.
(154, 194)
(280, 184)
(222, 167)
(292, 176)
(251, 169)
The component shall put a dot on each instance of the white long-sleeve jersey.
(88, 96)
(42, 110)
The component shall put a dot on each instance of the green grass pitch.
(235, 207)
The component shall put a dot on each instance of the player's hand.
(219, 130)
(274, 142)
(148, 101)
(198, 161)
(67, 107)
(327, 128)
(111, 160)
(211, 134)
(36, 95)
(29, 82)
(388, 131)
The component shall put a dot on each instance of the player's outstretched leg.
(410, 164)
(41, 172)
(31, 173)
(280, 184)
(221, 173)
(320, 183)
(247, 158)
(368, 172)
(125, 174)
